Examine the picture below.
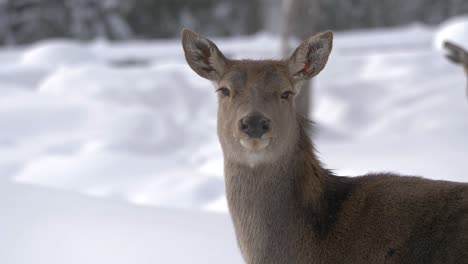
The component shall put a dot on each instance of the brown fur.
(287, 208)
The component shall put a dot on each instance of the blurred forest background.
(26, 21)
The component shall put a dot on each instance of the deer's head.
(257, 119)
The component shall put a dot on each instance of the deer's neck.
(276, 201)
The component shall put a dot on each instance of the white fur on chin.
(255, 144)
(253, 147)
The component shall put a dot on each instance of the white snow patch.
(55, 53)
(44, 226)
(455, 30)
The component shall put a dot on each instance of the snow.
(455, 30)
(42, 226)
(51, 53)
(96, 138)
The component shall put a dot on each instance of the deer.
(457, 55)
(285, 206)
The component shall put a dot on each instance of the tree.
(31, 20)
(301, 18)
(89, 19)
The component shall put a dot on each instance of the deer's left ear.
(311, 56)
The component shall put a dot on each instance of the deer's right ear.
(203, 56)
(311, 56)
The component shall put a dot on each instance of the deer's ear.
(203, 56)
(456, 53)
(311, 56)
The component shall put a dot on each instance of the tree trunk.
(300, 17)
(286, 10)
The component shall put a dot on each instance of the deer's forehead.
(258, 77)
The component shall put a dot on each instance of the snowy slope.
(89, 130)
(44, 226)
(75, 117)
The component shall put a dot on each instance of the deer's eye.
(224, 91)
(286, 95)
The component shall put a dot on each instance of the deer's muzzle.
(254, 126)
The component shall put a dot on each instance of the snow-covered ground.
(43, 226)
(95, 138)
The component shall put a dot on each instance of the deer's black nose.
(255, 125)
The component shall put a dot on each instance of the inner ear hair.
(311, 56)
(202, 55)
